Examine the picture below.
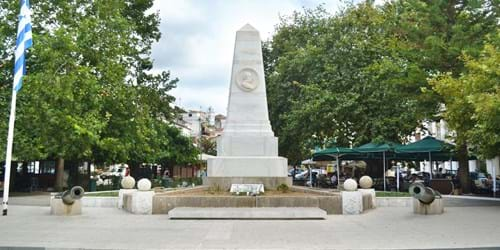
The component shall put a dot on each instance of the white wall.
(493, 165)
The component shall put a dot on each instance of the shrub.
(283, 188)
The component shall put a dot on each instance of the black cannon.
(424, 194)
(70, 196)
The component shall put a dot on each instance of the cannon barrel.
(70, 196)
(422, 193)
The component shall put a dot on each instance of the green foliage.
(208, 146)
(89, 94)
(392, 194)
(363, 73)
(339, 79)
(215, 189)
(473, 100)
(178, 182)
(102, 194)
(283, 188)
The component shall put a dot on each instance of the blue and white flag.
(23, 42)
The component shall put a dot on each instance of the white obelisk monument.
(247, 150)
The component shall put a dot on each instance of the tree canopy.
(364, 73)
(473, 99)
(89, 94)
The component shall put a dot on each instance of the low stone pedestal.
(436, 207)
(57, 207)
(140, 202)
(120, 196)
(373, 198)
(352, 202)
(275, 213)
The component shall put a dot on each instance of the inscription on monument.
(247, 79)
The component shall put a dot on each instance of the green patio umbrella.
(334, 153)
(375, 148)
(427, 148)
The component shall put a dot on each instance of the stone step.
(275, 213)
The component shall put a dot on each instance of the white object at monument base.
(352, 202)
(350, 185)
(58, 207)
(139, 202)
(247, 188)
(371, 193)
(144, 184)
(120, 196)
(128, 182)
(247, 146)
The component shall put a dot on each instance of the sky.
(198, 40)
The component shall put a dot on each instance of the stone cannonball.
(366, 181)
(144, 184)
(350, 185)
(128, 182)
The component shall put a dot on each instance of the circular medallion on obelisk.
(247, 79)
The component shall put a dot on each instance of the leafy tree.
(333, 78)
(473, 100)
(434, 35)
(208, 145)
(364, 72)
(88, 94)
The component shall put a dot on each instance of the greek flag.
(23, 42)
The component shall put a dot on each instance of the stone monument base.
(247, 166)
(268, 182)
(352, 202)
(58, 207)
(120, 196)
(436, 207)
(140, 202)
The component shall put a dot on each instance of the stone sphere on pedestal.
(144, 184)
(128, 182)
(350, 185)
(365, 182)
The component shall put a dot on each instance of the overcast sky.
(198, 40)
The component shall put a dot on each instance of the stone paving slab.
(276, 213)
(380, 228)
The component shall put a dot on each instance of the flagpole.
(23, 42)
(8, 156)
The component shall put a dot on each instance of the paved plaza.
(381, 228)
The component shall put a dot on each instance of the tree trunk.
(463, 169)
(89, 175)
(59, 175)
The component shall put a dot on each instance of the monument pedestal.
(247, 166)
